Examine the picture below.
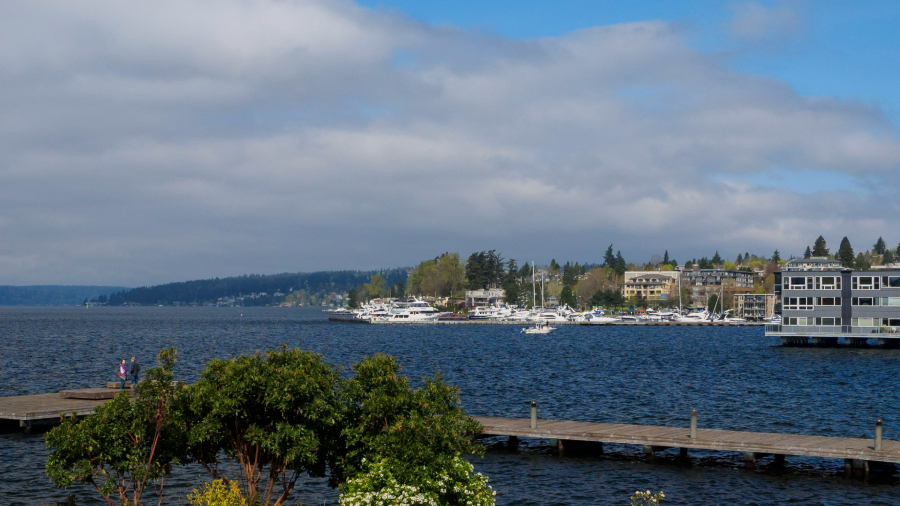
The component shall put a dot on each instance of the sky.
(149, 143)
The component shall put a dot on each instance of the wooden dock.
(857, 453)
(43, 409)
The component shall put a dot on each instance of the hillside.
(52, 295)
(310, 288)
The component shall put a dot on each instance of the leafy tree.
(845, 253)
(776, 257)
(567, 296)
(272, 416)
(608, 298)
(689, 264)
(620, 263)
(819, 248)
(418, 431)
(126, 445)
(880, 246)
(807, 253)
(861, 263)
(610, 260)
(444, 276)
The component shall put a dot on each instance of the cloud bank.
(144, 143)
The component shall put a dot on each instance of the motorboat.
(539, 328)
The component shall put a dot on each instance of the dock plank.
(46, 406)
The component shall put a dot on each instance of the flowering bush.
(646, 498)
(456, 484)
(216, 493)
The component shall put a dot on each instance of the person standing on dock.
(123, 374)
(134, 371)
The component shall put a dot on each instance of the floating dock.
(46, 409)
(858, 454)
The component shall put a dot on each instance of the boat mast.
(542, 290)
(533, 288)
(680, 307)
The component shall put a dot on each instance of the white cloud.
(147, 143)
(755, 22)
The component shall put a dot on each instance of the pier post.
(513, 442)
(779, 459)
(533, 414)
(879, 434)
(750, 460)
(649, 451)
(693, 424)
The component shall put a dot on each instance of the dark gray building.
(820, 302)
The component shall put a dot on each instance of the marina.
(638, 323)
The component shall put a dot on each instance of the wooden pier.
(46, 409)
(857, 453)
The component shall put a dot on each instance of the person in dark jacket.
(134, 371)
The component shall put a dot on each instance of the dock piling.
(693, 424)
(879, 434)
(533, 414)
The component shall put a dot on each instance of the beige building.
(650, 285)
(754, 306)
(485, 297)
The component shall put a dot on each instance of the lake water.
(736, 378)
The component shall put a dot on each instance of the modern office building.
(754, 306)
(821, 302)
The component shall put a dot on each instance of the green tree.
(888, 257)
(666, 257)
(511, 283)
(553, 268)
(776, 257)
(401, 289)
(609, 259)
(880, 246)
(712, 304)
(845, 253)
(739, 260)
(127, 445)
(567, 296)
(569, 273)
(272, 416)
(716, 259)
(819, 248)
(620, 264)
(351, 297)
(861, 263)
(807, 253)
(418, 431)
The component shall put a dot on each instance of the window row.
(875, 301)
(808, 321)
(808, 303)
(811, 282)
(876, 322)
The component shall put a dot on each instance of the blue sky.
(840, 48)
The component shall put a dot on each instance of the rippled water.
(735, 377)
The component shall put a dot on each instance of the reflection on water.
(735, 377)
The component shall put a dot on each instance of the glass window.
(828, 283)
(893, 322)
(891, 281)
(828, 321)
(864, 322)
(863, 301)
(866, 282)
(828, 301)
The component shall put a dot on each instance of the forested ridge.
(210, 290)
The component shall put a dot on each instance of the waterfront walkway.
(857, 453)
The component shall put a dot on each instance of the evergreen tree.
(716, 259)
(609, 259)
(861, 263)
(567, 297)
(776, 257)
(888, 257)
(807, 253)
(475, 276)
(819, 248)
(739, 260)
(845, 253)
(511, 283)
(666, 257)
(351, 297)
(620, 263)
(554, 267)
(568, 278)
(401, 289)
(879, 246)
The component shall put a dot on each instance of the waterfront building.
(820, 301)
(811, 264)
(706, 282)
(485, 297)
(650, 285)
(754, 306)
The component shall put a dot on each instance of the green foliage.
(511, 283)
(352, 294)
(776, 257)
(845, 253)
(444, 276)
(716, 259)
(217, 493)
(861, 263)
(272, 416)
(713, 304)
(484, 269)
(646, 498)
(807, 253)
(888, 257)
(609, 259)
(607, 298)
(819, 248)
(417, 430)
(126, 445)
(666, 257)
(880, 246)
(620, 264)
(567, 296)
(455, 485)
